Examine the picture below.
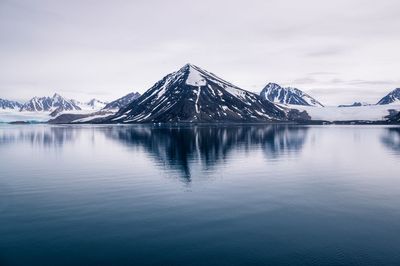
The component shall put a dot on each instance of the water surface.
(206, 195)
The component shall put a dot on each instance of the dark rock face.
(123, 101)
(277, 94)
(49, 104)
(393, 96)
(195, 95)
(12, 105)
(393, 117)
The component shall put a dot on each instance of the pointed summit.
(193, 94)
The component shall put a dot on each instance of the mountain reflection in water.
(176, 147)
(209, 145)
(391, 139)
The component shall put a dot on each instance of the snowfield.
(38, 117)
(333, 113)
(13, 116)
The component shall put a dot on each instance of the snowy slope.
(192, 94)
(9, 105)
(277, 94)
(122, 102)
(42, 109)
(365, 113)
(392, 98)
(7, 116)
(92, 105)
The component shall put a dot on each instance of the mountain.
(9, 105)
(121, 102)
(277, 94)
(392, 97)
(49, 104)
(192, 94)
(101, 110)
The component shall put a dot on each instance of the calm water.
(254, 195)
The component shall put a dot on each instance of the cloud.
(327, 51)
(112, 48)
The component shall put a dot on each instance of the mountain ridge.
(121, 102)
(193, 94)
(42, 104)
(9, 105)
(288, 95)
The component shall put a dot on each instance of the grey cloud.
(84, 48)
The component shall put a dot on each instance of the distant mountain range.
(193, 94)
(9, 105)
(46, 104)
(50, 104)
(277, 94)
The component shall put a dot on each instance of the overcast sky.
(338, 51)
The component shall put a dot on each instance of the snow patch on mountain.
(92, 105)
(195, 78)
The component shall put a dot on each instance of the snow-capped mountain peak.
(195, 78)
(277, 94)
(49, 104)
(392, 97)
(194, 94)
